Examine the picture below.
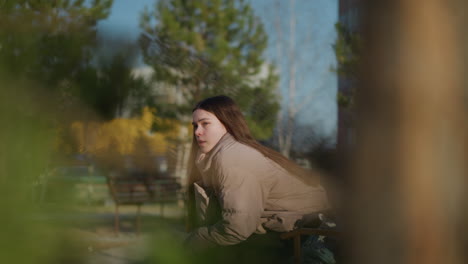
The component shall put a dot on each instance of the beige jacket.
(254, 193)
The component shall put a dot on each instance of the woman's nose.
(198, 131)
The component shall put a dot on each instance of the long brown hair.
(229, 114)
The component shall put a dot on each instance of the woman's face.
(207, 128)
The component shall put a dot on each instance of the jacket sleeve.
(241, 199)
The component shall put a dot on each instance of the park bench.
(296, 235)
(133, 190)
(310, 228)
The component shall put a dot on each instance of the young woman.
(237, 187)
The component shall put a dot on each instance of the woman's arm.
(241, 198)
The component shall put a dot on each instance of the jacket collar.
(203, 160)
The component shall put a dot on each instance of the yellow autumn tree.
(111, 141)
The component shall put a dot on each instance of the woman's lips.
(200, 142)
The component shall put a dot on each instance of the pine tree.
(348, 52)
(210, 47)
(53, 44)
(49, 41)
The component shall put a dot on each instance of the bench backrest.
(140, 190)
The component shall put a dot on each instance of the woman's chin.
(204, 149)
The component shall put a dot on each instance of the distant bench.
(134, 190)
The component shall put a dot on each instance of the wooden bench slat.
(310, 231)
(130, 190)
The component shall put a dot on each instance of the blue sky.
(124, 17)
(314, 36)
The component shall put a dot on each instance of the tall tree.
(298, 54)
(52, 43)
(49, 40)
(109, 87)
(203, 48)
(348, 49)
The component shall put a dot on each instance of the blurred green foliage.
(346, 101)
(348, 50)
(166, 247)
(49, 41)
(44, 45)
(206, 48)
(26, 142)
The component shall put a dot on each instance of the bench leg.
(297, 249)
(161, 209)
(116, 220)
(138, 220)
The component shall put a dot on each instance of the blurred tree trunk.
(409, 180)
(292, 68)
